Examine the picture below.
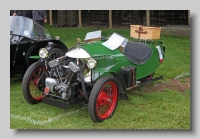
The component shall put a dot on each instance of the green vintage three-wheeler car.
(95, 72)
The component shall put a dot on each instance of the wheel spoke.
(33, 83)
(102, 109)
(54, 55)
(103, 98)
(106, 99)
(100, 103)
(109, 91)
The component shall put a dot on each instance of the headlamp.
(91, 63)
(43, 52)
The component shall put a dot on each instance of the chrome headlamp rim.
(43, 52)
(91, 63)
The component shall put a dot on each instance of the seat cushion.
(137, 52)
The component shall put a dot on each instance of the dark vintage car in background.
(26, 38)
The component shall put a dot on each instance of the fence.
(117, 18)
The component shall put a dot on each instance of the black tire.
(30, 82)
(55, 53)
(99, 97)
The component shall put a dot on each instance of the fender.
(35, 48)
(60, 45)
(122, 86)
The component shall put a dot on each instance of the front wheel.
(103, 99)
(30, 83)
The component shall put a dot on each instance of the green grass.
(159, 110)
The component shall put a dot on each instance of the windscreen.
(26, 27)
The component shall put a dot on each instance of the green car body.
(112, 61)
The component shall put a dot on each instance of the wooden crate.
(145, 32)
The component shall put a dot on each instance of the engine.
(60, 89)
(63, 75)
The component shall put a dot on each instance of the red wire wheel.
(103, 99)
(30, 83)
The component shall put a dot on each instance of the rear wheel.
(147, 78)
(103, 99)
(150, 76)
(31, 83)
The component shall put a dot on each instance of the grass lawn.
(168, 108)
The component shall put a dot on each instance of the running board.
(55, 103)
(146, 82)
(150, 81)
